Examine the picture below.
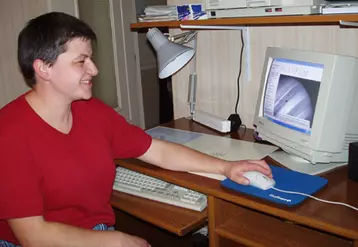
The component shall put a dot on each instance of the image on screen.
(291, 93)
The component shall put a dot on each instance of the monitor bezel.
(301, 142)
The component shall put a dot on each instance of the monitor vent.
(348, 139)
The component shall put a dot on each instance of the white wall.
(218, 63)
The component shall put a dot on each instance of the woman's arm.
(180, 158)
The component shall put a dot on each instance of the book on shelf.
(172, 13)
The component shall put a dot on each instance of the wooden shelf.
(174, 219)
(255, 21)
(254, 229)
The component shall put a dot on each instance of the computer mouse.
(259, 180)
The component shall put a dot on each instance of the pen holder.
(353, 161)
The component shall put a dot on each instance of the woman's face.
(73, 70)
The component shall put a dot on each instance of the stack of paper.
(340, 8)
(217, 146)
(159, 13)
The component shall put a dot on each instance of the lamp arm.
(192, 93)
(192, 84)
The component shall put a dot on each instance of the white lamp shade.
(171, 56)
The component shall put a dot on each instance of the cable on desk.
(243, 135)
(316, 198)
(234, 118)
(240, 71)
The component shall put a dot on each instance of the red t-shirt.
(67, 178)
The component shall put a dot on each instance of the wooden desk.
(239, 219)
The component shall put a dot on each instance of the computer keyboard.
(141, 185)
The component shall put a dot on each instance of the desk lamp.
(173, 55)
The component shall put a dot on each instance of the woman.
(59, 144)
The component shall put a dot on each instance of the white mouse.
(259, 180)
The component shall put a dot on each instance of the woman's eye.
(81, 62)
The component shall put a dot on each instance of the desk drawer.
(251, 228)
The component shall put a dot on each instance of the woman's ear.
(41, 69)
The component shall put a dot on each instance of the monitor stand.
(299, 164)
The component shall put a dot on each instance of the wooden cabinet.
(243, 226)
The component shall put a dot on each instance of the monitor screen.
(291, 93)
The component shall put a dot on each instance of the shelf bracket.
(348, 23)
(246, 35)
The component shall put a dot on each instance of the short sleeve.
(20, 193)
(129, 141)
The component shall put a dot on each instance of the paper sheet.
(221, 147)
(173, 135)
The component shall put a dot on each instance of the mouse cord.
(318, 199)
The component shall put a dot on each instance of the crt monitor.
(308, 106)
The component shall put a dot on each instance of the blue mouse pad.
(285, 180)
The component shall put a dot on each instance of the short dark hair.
(45, 37)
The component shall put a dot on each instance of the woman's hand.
(235, 169)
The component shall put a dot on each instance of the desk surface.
(332, 218)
